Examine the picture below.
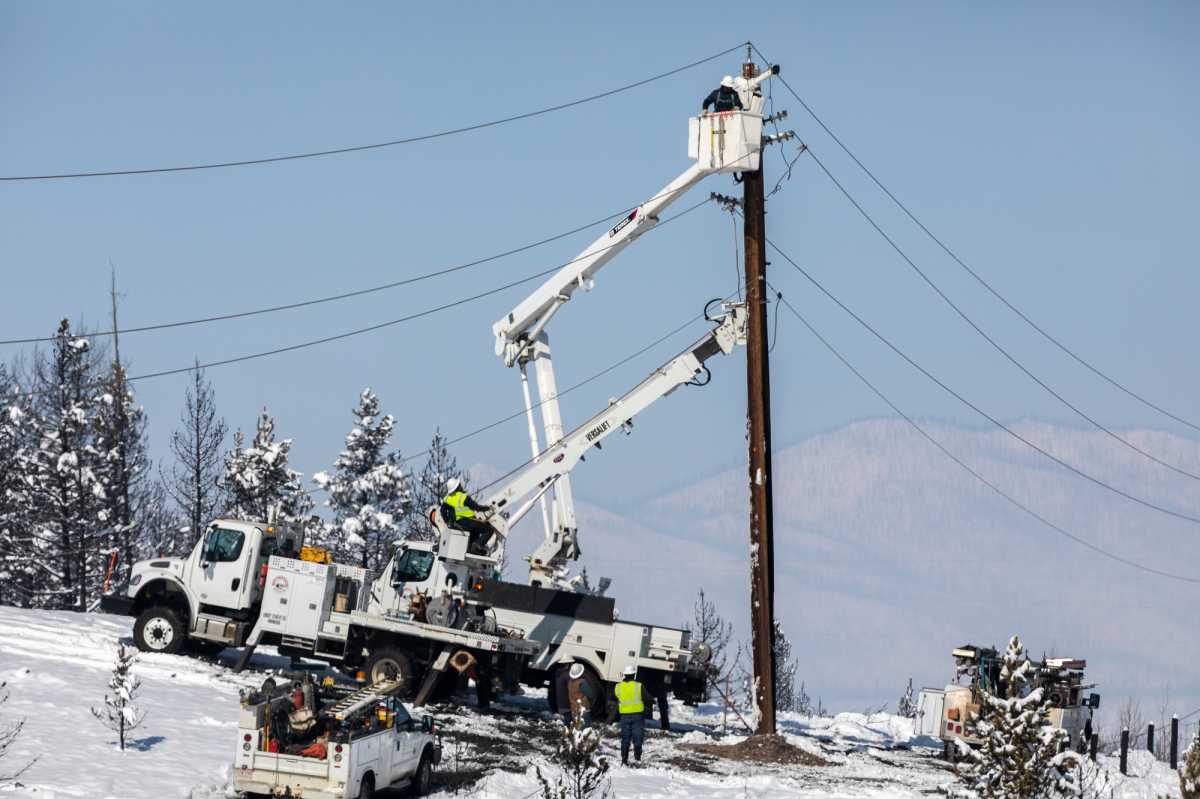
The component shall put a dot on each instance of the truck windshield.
(413, 566)
(223, 546)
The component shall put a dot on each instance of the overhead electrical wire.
(356, 332)
(967, 467)
(987, 337)
(952, 392)
(974, 274)
(377, 145)
(222, 317)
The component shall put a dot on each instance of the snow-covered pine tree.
(119, 713)
(194, 480)
(369, 492)
(430, 486)
(1020, 757)
(1189, 771)
(8, 736)
(119, 435)
(258, 483)
(582, 772)
(785, 670)
(16, 574)
(907, 706)
(67, 498)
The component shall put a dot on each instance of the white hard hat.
(576, 671)
(727, 81)
(452, 484)
(630, 670)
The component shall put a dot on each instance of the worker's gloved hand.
(775, 69)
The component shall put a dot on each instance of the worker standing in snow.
(722, 98)
(631, 708)
(582, 695)
(459, 511)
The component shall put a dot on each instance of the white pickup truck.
(304, 740)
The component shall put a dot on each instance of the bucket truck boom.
(725, 142)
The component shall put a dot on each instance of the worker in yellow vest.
(631, 709)
(461, 513)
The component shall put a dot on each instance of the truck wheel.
(390, 663)
(367, 789)
(159, 629)
(423, 779)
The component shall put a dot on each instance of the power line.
(357, 292)
(945, 451)
(941, 384)
(380, 145)
(974, 274)
(988, 338)
(350, 333)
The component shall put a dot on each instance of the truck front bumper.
(117, 605)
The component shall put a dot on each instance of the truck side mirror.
(427, 724)
(1093, 701)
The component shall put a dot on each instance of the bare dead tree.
(194, 480)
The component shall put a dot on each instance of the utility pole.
(758, 434)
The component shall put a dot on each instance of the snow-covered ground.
(57, 666)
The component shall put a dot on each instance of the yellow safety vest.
(629, 697)
(458, 501)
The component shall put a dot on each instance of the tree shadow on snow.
(145, 744)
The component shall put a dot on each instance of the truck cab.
(212, 594)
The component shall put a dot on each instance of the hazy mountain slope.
(888, 554)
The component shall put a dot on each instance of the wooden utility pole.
(758, 433)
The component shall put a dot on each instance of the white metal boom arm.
(548, 563)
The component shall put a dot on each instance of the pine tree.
(430, 486)
(368, 492)
(258, 482)
(709, 627)
(120, 714)
(70, 522)
(785, 670)
(1189, 771)
(16, 576)
(119, 434)
(1020, 757)
(194, 481)
(907, 706)
(582, 773)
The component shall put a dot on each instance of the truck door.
(223, 578)
(403, 749)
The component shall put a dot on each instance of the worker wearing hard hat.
(632, 702)
(582, 694)
(723, 98)
(459, 511)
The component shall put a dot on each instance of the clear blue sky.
(1054, 148)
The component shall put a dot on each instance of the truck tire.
(367, 789)
(422, 780)
(159, 629)
(390, 662)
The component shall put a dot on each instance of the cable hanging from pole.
(347, 334)
(979, 278)
(376, 145)
(968, 468)
(978, 410)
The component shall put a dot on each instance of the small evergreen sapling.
(120, 714)
(907, 706)
(1022, 756)
(582, 771)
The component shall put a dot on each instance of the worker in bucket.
(631, 709)
(460, 511)
(723, 98)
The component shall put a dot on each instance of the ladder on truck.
(364, 697)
